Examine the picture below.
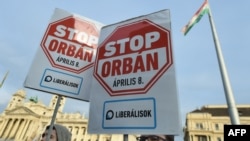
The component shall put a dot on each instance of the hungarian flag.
(196, 18)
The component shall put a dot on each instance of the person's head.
(58, 133)
(155, 138)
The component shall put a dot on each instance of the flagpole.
(4, 79)
(234, 116)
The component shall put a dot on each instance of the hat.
(62, 132)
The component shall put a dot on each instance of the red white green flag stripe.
(196, 18)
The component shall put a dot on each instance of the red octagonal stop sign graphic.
(70, 44)
(133, 57)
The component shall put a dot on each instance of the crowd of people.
(61, 133)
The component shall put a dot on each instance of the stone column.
(20, 129)
(26, 133)
(82, 132)
(3, 127)
(14, 129)
(85, 134)
(73, 131)
(190, 137)
(33, 130)
(24, 129)
(8, 129)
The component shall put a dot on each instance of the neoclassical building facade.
(207, 123)
(25, 120)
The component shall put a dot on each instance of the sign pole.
(53, 117)
(226, 83)
(125, 137)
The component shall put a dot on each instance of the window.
(202, 138)
(216, 126)
(83, 130)
(70, 129)
(218, 139)
(240, 113)
(199, 126)
(77, 130)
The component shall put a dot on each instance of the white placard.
(64, 61)
(134, 85)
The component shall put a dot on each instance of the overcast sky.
(199, 82)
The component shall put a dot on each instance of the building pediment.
(21, 111)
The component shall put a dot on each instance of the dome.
(21, 93)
